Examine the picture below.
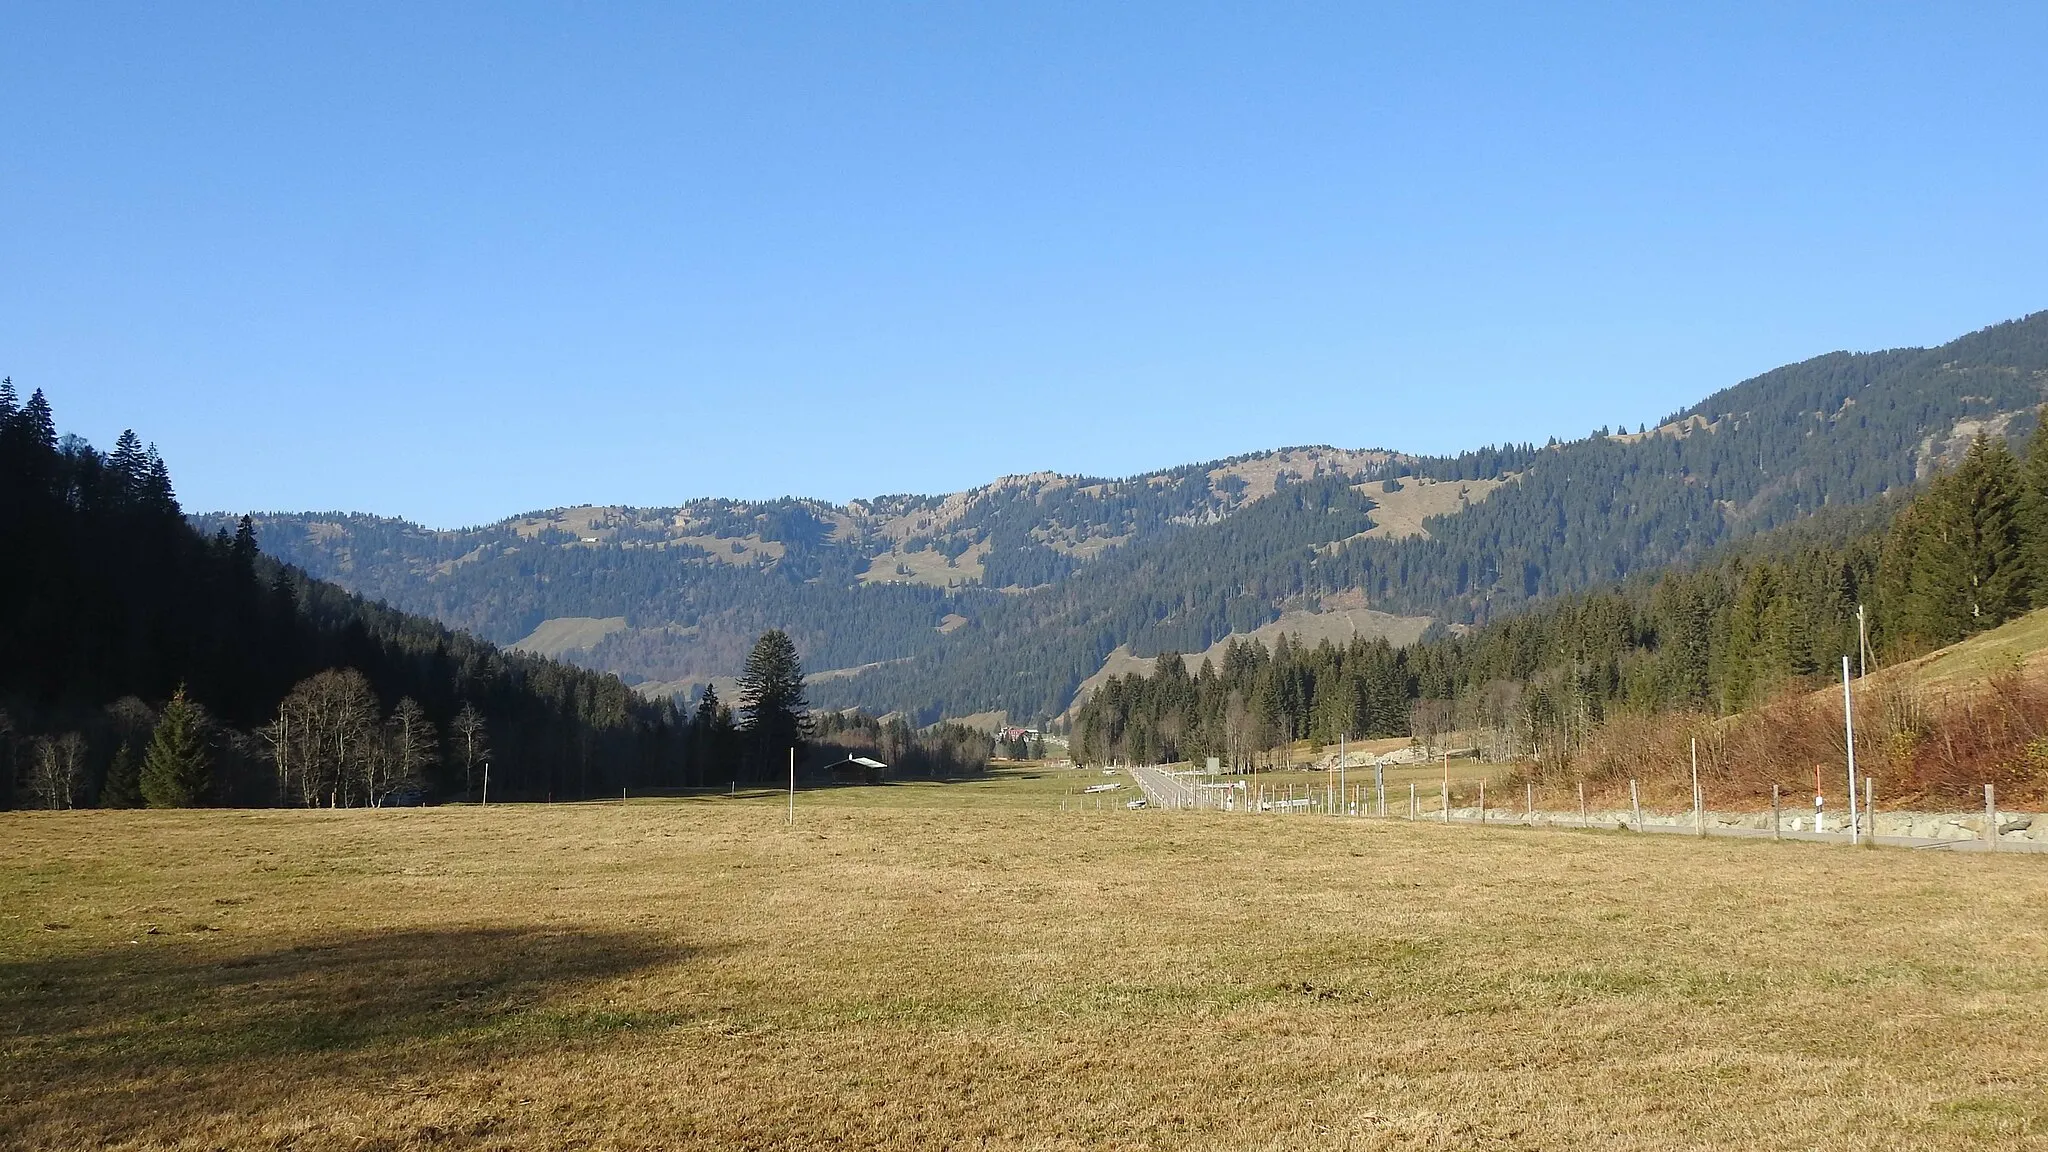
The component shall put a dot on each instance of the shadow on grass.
(196, 1008)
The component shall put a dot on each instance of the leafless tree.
(327, 742)
(1429, 720)
(1499, 705)
(57, 768)
(1238, 728)
(410, 750)
(472, 743)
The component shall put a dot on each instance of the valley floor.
(966, 965)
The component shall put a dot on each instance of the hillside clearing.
(1341, 620)
(1399, 515)
(565, 634)
(948, 965)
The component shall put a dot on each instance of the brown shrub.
(1923, 753)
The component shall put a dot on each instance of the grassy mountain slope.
(2015, 646)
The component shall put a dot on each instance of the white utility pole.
(1849, 734)
(1699, 807)
(792, 785)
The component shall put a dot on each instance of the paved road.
(1162, 790)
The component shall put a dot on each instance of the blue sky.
(454, 262)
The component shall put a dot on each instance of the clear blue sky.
(453, 262)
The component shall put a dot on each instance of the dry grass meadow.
(966, 966)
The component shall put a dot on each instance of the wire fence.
(1466, 803)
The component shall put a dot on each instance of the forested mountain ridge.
(1180, 559)
(677, 594)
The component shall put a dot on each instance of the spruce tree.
(713, 738)
(773, 712)
(1986, 499)
(129, 464)
(175, 769)
(2030, 513)
(1938, 585)
(123, 788)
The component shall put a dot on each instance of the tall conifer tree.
(175, 770)
(774, 714)
(2030, 511)
(123, 788)
(1985, 502)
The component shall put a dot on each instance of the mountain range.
(1008, 598)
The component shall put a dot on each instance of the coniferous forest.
(144, 662)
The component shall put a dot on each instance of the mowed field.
(966, 966)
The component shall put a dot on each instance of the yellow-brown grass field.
(923, 966)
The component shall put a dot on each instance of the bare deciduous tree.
(327, 742)
(57, 768)
(410, 750)
(472, 743)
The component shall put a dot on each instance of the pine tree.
(128, 464)
(1938, 577)
(243, 550)
(1746, 665)
(175, 769)
(774, 714)
(123, 788)
(712, 737)
(2030, 513)
(39, 424)
(156, 485)
(1986, 500)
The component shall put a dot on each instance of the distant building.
(856, 770)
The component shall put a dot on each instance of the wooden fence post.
(1777, 825)
(1582, 805)
(1635, 801)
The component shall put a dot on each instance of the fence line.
(1363, 801)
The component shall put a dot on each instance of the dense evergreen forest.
(1966, 553)
(144, 661)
